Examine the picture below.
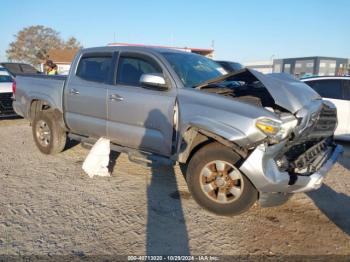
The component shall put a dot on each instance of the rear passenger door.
(86, 95)
(138, 117)
(334, 91)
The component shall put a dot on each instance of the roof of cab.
(132, 48)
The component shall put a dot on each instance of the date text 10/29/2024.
(173, 258)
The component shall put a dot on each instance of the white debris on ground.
(96, 163)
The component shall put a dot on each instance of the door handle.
(73, 91)
(115, 97)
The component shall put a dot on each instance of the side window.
(95, 68)
(328, 88)
(130, 69)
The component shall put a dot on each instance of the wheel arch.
(194, 138)
(40, 105)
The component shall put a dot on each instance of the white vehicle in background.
(337, 90)
(6, 82)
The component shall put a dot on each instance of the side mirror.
(153, 81)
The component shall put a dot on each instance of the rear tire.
(216, 183)
(49, 136)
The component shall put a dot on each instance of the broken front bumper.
(261, 168)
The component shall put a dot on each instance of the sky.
(239, 30)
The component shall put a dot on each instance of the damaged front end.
(299, 162)
(287, 165)
(298, 150)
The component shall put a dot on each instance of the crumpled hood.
(287, 92)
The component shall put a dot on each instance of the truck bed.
(47, 88)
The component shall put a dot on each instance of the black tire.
(201, 159)
(57, 134)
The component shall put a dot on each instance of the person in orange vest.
(51, 68)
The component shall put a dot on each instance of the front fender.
(216, 127)
(201, 129)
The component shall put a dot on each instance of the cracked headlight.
(268, 126)
(276, 130)
(288, 126)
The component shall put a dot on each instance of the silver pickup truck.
(241, 137)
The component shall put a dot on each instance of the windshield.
(5, 79)
(193, 69)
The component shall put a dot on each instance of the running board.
(149, 160)
(141, 158)
(86, 142)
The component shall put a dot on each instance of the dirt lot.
(49, 206)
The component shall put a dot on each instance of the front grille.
(327, 120)
(321, 124)
(6, 103)
(314, 141)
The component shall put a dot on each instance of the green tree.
(33, 43)
(72, 43)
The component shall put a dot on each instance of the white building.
(62, 58)
(264, 67)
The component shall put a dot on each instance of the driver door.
(138, 117)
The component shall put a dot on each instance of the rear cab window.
(95, 67)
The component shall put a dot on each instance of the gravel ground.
(48, 206)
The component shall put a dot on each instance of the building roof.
(62, 56)
(311, 78)
(259, 63)
(313, 57)
(202, 51)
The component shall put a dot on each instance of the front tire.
(216, 183)
(48, 134)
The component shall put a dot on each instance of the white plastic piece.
(96, 163)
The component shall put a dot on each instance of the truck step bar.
(138, 157)
(149, 160)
